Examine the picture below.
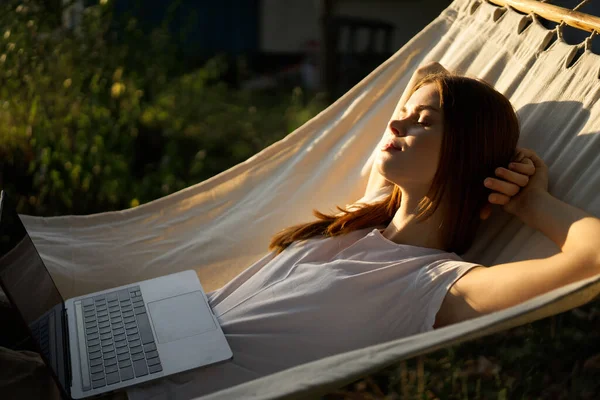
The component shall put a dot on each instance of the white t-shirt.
(318, 298)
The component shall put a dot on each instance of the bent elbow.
(590, 259)
(597, 264)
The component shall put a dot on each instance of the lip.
(391, 145)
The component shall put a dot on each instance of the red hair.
(481, 131)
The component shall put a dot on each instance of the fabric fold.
(223, 225)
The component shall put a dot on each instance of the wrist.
(429, 68)
(531, 202)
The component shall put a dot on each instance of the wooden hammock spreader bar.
(554, 13)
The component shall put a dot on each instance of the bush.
(99, 119)
(196, 129)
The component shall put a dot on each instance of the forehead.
(426, 95)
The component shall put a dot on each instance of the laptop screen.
(31, 290)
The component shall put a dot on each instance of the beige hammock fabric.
(223, 225)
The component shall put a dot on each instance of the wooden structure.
(335, 82)
(554, 13)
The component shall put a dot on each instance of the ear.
(486, 211)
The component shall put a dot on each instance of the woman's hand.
(430, 68)
(422, 71)
(526, 174)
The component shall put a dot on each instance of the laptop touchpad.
(180, 317)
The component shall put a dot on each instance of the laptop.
(111, 339)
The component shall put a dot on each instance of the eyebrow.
(421, 108)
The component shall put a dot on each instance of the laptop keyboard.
(119, 338)
(41, 333)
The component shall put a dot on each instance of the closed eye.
(415, 118)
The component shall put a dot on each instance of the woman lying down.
(389, 268)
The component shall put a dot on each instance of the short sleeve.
(432, 284)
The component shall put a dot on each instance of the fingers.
(528, 153)
(518, 157)
(506, 188)
(497, 198)
(511, 180)
(514, 177)
(486, 211)
(525, 167)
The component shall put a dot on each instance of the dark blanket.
(23, 374)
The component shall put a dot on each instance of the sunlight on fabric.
(342, 149)
(213, 226)
(583, 133)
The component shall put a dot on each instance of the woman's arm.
(575, 232)
(376, 181)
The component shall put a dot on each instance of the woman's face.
(416, 130)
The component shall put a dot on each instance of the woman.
(388, 269)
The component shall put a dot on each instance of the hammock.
(222, 225)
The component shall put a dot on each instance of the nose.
(398, 127)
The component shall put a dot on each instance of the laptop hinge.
(68, 372)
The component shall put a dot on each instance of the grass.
(553, 358)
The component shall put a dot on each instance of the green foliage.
(101, 119)
(206, 127)
(90, 122)
(552, 358)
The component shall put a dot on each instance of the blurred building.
(341, 41)
(289, 40)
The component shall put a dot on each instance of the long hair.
(481, 131)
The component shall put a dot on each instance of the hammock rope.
(222, 225)
(554, 13)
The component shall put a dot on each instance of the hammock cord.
(578, 6)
